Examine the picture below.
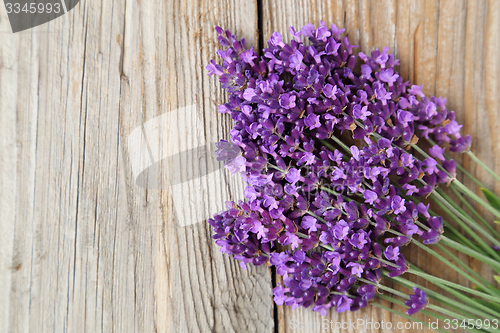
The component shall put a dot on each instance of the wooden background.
(83, 248)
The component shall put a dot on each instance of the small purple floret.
(417, 301)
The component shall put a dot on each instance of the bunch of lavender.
(326, 143)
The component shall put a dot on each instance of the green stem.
(463, 226)
(449, 226)
(390, 299)
(435, 254)
(425, 312)
(465, 172)
(458, 246)
(467, 218)
(452, 304)
(463, 248)
(450, 243)
(440, 257)
(400, 303)
(440, 200)
(446, 262)
(458, 261)
(341, 143)
(328, 145)
(436, 280)
(429, 306)
(475, 213)
(459, 167)
(487, 248)
(471, 223)
(438, 297)
(329, 190)
(492, 290)
(471, 253)
(463, 240)
(381, 286)
(462, 188)
(464, 298)
(481, 164)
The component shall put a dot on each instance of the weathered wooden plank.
(447, 46)
(84, 247)
(242, 298)
(9, 270)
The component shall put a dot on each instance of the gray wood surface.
(83, 247)
(102, 224)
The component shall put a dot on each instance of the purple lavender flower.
(436, 223)
(299, 256)
(308, 30)
(330, 91)
(336, 31)
(358, 239)
(388, 76)
(248, 56)
(287, 101)
(417, 302)
(366, 71)
(238, 164)
(430, 236)
(407, 160)
(277, 39)
(431, 165)
(295, 35)
(307, 158)
(437, 152)
(341, 230)
(416, 90)
(309, 223)
(383, 95)
(304, 196)
(279, 294)
(312, 121)
(213, 68)
(249, 94)
(370, 196)
(361, 112)
(356, 268)
(343, 303)
(404, 117)
(227, 151)
(391, 253)
(410, 189)
(279, 258)
(292, 176)
(296, 60)
(322, 33)
(398, 205)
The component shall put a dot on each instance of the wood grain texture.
(84, 248)
(445, 45)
